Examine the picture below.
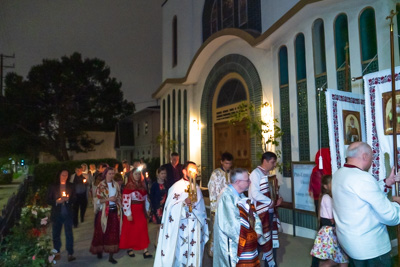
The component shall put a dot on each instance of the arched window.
(283, 67)
(227, 14)
(163, 156)
(163, 112)
(302, 97)
(214, 18)
(173, 115)
(185, 126)
(231, 92)
(174, 41)
(368, 41)
(300, 57)
(169, 114)
(318, 35)
(242, 12)
(179, 121)
(342, 53)
(285, 110)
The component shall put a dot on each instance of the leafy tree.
(57, 103)
(267, 132)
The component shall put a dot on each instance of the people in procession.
(81, 185)
(174, 170)
(261, 192)
(219, 179)
(237, 227)
(97, 178)
(158, 196)
(107, 220)
(184, 229)
(362, 209)
(134, 234)
(61, 197)
(127, 168)
(326, 246)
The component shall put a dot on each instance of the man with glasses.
(260, 191)
(237, 226)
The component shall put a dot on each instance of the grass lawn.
(16, 175)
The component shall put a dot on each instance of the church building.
(218, 54)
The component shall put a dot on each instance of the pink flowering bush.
(28, 244)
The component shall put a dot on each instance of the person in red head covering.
(317, 173)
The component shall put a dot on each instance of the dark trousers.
(382, 261)
(81, 203)
(57, 224)
(274, 250)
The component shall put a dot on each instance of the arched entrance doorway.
(243, 70)
(231, 91)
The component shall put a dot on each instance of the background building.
(136, 135)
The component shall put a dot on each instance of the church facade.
(220, 53)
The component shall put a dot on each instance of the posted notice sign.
(301, 172)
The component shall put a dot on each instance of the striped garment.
(247, 247)
(264, 212)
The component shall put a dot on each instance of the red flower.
(35, 232)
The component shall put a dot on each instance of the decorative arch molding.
(233, 63)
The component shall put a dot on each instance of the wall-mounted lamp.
(196, 124)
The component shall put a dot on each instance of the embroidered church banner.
(346, 123)
(379, 118)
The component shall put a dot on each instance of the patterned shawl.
(102, 193)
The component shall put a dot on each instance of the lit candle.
(63, 194)
(84, 181)
(192, 177)
(147, 175)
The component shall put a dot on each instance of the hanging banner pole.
(394, 115)
(394, 112)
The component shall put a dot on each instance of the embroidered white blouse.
(127, 199)
(219, 180)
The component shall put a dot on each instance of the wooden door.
(234, 139)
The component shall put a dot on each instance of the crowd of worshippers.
(243, 223)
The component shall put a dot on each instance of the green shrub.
(6, 178)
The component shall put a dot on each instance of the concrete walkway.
(293, 251)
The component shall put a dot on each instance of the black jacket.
(54, 194)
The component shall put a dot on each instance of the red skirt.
(134, 234)
(108, 241)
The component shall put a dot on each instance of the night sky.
(126, 34)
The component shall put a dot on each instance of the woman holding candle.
(107, 221)
(61, 197)
(134, 234)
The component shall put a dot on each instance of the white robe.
(227, 228)
(183, 234)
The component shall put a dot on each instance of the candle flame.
(63, 194)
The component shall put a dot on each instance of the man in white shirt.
(260, 193)
(362, 210)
